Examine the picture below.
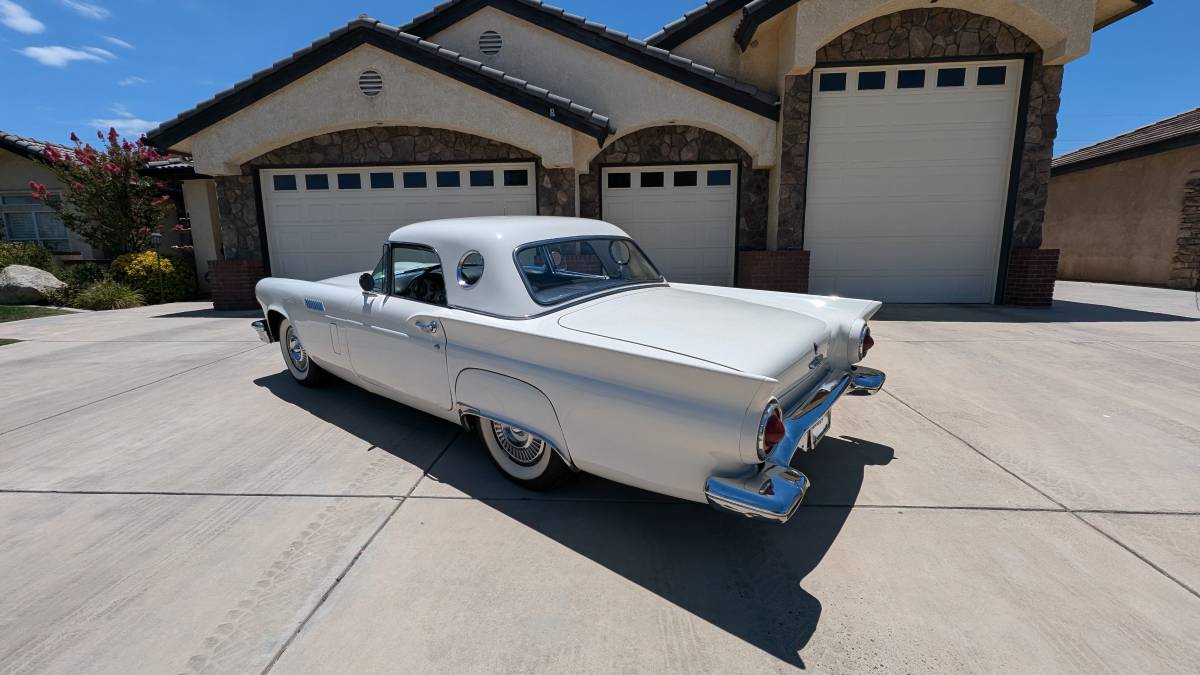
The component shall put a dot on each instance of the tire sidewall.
(506, 464)
(299, 375)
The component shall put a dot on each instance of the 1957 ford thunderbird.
(559, 341)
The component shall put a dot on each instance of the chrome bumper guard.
(264, 331)
(775, 491)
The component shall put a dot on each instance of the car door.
(400, 346)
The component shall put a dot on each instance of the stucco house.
(1127, 209)
(892, 149)
(23, 218)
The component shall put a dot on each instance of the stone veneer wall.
(1185, 267)
(384, 145)
(680, 143)
(927, 34)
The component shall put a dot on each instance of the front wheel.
(523, 458)
(299, 364)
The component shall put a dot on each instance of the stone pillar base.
(1031, 274)
(233, 283)
(773, 270)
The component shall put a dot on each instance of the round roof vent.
(370, 83)
(490, 42)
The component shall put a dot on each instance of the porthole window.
(470, 269)
(490, 42)
(370, 82)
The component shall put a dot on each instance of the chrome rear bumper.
(775, 491)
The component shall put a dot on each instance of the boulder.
(24, 285)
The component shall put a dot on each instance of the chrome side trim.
(466, 409)
(264, 331)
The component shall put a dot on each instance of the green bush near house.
(141, 271)
(77, 278)
(24, 253)
(108, 294)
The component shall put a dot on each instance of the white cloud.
(87, 9)
(118, 42)
(18, 18)
(60, 57)
(132, 80)
(126, 126)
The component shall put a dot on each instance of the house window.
(720, 177)
(316, 181)
(483, 178)
(875, 79)
(620, 181)
(952, 77)
(25, 219)
(685, 178)
(990, 76)
(283, 183)
(415, 179)
(383, 181)
(833, 82)
(910, 79)
(349, 181)
(448, 179)
(652, 179)
(516, 177)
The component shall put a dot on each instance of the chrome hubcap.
(521, 446)
(296, 350)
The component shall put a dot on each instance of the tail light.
(866, 343)
(770, 429)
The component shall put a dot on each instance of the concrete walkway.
(1023, 497)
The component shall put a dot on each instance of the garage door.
(684, 217)
(327, 222)
(908, 179)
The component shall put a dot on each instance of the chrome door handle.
(430, 327)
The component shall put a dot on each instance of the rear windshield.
(558, 271)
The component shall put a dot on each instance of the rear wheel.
(299, 364)
(525, 459)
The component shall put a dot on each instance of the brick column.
(233, 283)
(773, 270)
(1031, 274)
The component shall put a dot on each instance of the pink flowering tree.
(105, 198)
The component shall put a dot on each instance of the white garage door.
(327, 222)
(908, 179)
(684, 217)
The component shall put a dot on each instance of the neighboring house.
(879, 148)
(1127, 209)
(23, 218)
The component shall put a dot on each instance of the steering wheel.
(429, 287)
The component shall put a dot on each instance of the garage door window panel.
(685, 179)
(483, 179)
(516, 177)
(910, 79)
(383, 181)
(415, 180)
(283, 182)
(869, 80)
(952, 77)
(349, 181)
(652, 179)
(316, 181)
(833, 81)
(449, 179)
(620, 180)
(991, 76)
(720, 177)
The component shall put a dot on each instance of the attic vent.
(370, 83)
(490, 42)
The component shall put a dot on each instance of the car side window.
(417, 274)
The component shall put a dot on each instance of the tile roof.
(429, 23)
(29, 147)
(1173, 132)
(411, 45)
(755, 14)
(693, 22)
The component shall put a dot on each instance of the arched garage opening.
(691, 197)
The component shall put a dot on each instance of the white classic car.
(559, 341)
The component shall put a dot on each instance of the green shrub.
(76, 277)
(25, 253)
(141, 271)
(108, 295)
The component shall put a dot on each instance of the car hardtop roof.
(506, 231)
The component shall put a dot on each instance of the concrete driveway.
(1024, 497)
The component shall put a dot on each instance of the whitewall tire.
(523, 458)
(303, 369)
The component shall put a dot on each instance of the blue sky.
(74, 65)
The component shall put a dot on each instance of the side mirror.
(367, 282)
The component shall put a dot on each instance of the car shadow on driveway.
(1063, 311)
(743, 576)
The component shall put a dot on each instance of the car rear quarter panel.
(633, 414)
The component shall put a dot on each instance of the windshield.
(566, 269)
